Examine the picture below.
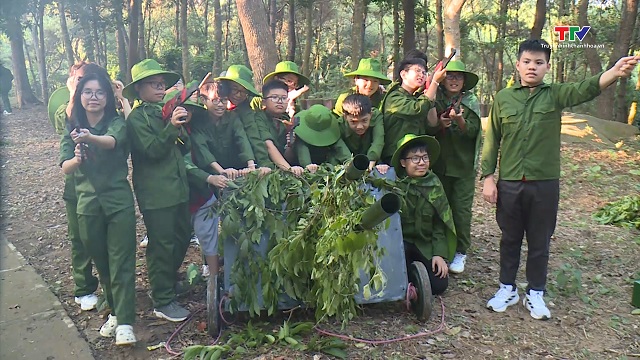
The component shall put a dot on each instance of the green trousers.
(111, 242)
(81, 267)
(460, 193)
(169, 232)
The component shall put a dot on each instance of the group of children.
(430, 133)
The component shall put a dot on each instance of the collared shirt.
(250, 119)
(101, 181)
(376, 100)
(525, 126)
(273, 129)
(157, 151)
(370, 143)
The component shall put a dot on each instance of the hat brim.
(318, 138)
(372, 74)
(56, 99)
(170, 78)
(433, 149)
(249, 87)
(302, 80)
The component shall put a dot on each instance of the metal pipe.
(388, 205)
(357, 167)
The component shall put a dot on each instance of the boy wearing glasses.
(427, 224)
(160, 182)
(362, 130)
(405, 109)
(275, 124)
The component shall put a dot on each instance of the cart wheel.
(422, 305)
(213, 302)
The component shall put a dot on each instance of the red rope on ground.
(221, 312)
(439, 329)
(167, 345)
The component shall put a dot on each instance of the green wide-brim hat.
(318, 126)
(287, 67)
(56, 99)
(470, 79)
(188, 103)
(241, 75)
(370, 68)
(144, 69)
(433, 148)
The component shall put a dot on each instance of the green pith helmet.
(370, 68)
(241, 75)
(433, 148)
(287, 67)
(470, 79)
(56, 99)
(145, 69)
(318, 127)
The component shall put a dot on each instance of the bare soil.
(591, 315)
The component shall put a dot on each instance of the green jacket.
(371, 143)
(426, 217)
(404, 114)
(525, 126)
(376, 100)
(60, 125)
(250, 119)
(274, 130)
(157, 150)
(335, 154)
(101, 181)
(459, 149)
(225, 142)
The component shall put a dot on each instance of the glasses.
(238, 91)
(455, 77)
(416, 159)
(277, 99)
(418, 70)
(157, 85)
(99, 94)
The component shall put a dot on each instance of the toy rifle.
(180, 98)
(83, 146)
(439, 66)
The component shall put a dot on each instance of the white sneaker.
(457, 265)
(506, 296)
(205, 271)
(6, 113)
(87, 302)
(534, 302)
(108, 329)
(144, 242)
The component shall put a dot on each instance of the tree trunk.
(120, 31)
(396, 36)
(627, 26)
(273, 12)
(177, 23)
(24, 93)
(452, 26)
(381, 30)
(184, 39)
(261, 47)
(142, 51)
(633, 109)
(291, 29)
(502, 30)
(356, 34)
(409, 34)
(217, 38)
(42, 61)
(134, 11)
(540, 18)
(95, 20)
(66, 40)
(308, 25)
(87, 39)
(426, 30)
(439, 29)
(226, 33)
(206, 27)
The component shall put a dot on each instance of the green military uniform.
(369, 68)
(274, 130)
(162, 190)
(82, 269)
(250, 119)
(106, 216)
(224, 142)
(376, 100)
(457, 164)
(335, 154)
(318, 138)
(404, 113)
(370, 143)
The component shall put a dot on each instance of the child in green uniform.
(160, 182)
(368, 77)
(524, 127)
(95, 153)
(459, 135)
(220, 143)
(405, 109)
(362, 130)
(318, 139)
(239, 80)
(297, 84)
(61, 104)
(427, 225)
(275, 126)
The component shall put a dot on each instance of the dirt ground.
(591, 314)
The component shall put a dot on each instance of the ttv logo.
(574, 32)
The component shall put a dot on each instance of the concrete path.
(33, 323)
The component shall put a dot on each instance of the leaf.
(339, 353)
(192, 273)
(453, 331)
(635, 312)
(366, 292)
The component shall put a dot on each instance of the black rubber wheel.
(213, 302)
(422, 306)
